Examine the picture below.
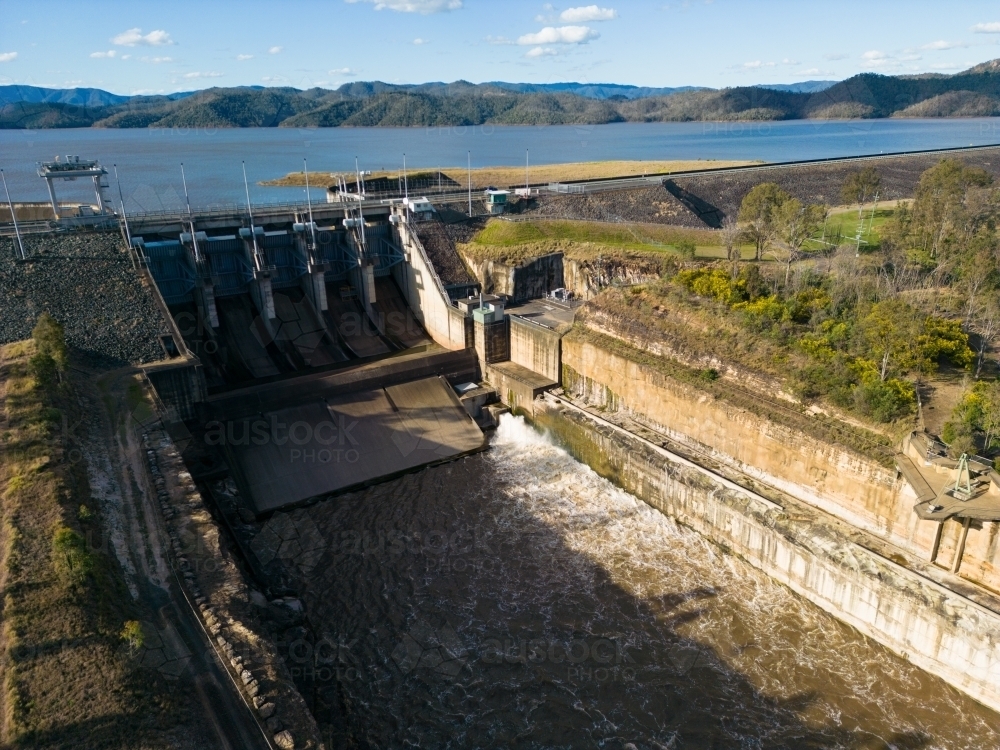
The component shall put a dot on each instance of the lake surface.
(149, 159)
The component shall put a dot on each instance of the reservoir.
(149, 159)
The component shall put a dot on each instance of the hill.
(971, 93)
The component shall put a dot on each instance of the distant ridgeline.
(972, 93)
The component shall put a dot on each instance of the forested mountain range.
(975, 92)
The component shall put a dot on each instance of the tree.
(132, 635)
(732, 234)
(759, 215)
(939, 207)
(50, 339)
(985, 322)
(990, 413)
(860, 186)
(796, 224)
(890, 329)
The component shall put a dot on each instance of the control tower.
(71, 168)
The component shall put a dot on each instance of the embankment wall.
(828, 476)
(426, 295)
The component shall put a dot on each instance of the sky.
(140, 47)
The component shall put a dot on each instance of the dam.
(623, 560)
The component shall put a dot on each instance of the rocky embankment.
(821, 183)
(87, 282)
(439, 245)
(649, 205)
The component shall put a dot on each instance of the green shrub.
(132, 635)
(885, 401)
(70, 556)
(50, 339)
(44, 369)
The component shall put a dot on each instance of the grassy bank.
(69, 679)
(514, 241)
(483, 177)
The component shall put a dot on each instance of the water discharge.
(517, 598)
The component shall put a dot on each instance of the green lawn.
(525, 238)
(638, 237)
(842, 227)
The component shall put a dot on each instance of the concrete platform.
(330, 445)
(518, 386)
(548, 312)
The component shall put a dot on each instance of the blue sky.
(180, 45)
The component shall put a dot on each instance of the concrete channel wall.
(426, 296)
(535, 347)
(932, 626)
(834, 479)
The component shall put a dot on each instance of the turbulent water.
(515, 598)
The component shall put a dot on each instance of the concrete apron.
(938, 629)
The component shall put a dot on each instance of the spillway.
(516, 598)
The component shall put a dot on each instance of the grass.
(483, 177)
(842, 224)
(513, 241)
(65, 682)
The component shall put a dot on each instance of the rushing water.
(515, 598)
(148, 159)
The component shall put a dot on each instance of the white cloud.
(276, 50)
(810, 72)
(587, 13)
(498, 40)
(418, 41)
(342, 72)
(244, 57)
(423, 7)
(541, 52)
(874, 55)
(986, 28)
(559, 35)
(133, 37)
(754, 64)
(7, 56)
(273, 79)
(835, 56)
(789, 61)
(204, 75)
(126, 57)
(941, 44)
(154, 60)
(101, 55)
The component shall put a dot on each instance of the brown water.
(515, 598)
